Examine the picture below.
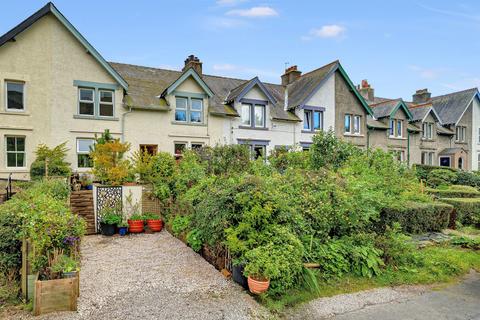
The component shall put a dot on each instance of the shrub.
(468, 179)
(194, 240)
(467, 210)
(283, 159)
(180, 224)
(189, 172)
(225, 159)
(57, 166)
(439, 177)
(415, 217)
(10, 245)
(422, 170)
(454, 191)
(327, 151)
(397, 248)
(108, 163)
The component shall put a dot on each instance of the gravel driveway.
(153, 276)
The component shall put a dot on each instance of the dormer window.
(188, 110)
(312, 120)
(253, 115)
(427, 128)
(396, 128)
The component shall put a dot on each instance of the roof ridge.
(456, 92)
(389, 100)
(208, 75)
(311, 71)
(421, 105)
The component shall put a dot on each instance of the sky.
(398, 46)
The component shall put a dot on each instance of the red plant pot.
(156, 225)
(258, 286)
(135, 226)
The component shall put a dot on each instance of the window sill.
(17, 169)
(79, 116)
(252, 128)
(397, 138)
(16, 113)
(189, 124)
(461, 142)
(428, 140)
(354, 135)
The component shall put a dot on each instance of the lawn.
(439, 265)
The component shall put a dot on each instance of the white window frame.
(100, 102)
(79, 152)
(24, 100)
(357, 127)
(394, 127)
(427, 157)
(350, 124)
(190, 110)
(311, 124)
(427, 131)
(16, 152)
(263, 109)
(460, 133)
(86, 101)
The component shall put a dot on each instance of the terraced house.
(55, 87)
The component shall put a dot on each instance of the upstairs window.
(312, 120)
(253, 115)
(396, 128)
(106, 103)
(86, 98)
(427, 129)
(15, 150)
(353, 124)
(83, 153)
(460, 134)
(15, 100)
(188, 110)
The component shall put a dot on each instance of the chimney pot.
(291, 74)
(421, 96)
(193, 62)
(366, 90)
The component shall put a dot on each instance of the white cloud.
(216, 23)
(228, 3)
(254, 12)
(426, 73)
(328, 31)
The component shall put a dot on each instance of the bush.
(467, 210)
(440, 177)
(57, 166)
(283, 159)
(327, 151)
(422, 170)
(180, 224)
(454, 191)
(225, 159)
(415, 217)
(468, 179)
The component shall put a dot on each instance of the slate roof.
(372, 123)
(385, 108)
(146, 84)
(413, 128)
(450, 107)
(419, 112)
(448, 151)
(300, 90)
(444, 130)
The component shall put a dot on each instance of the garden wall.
(150, 204)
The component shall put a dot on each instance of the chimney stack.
(366, 90)
(193, 62)
(291, 74)
(421, 96)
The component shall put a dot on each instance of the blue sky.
(399, 46)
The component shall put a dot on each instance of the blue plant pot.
(122, 231)
(90, 187)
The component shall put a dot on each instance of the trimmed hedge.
(422, 170)
(467, 210)
(454, 191)
(417, 217)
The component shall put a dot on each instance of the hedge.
(423, 170)
(467, 210)
(454, 191)
(417, 217)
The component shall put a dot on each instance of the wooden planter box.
(56, 295)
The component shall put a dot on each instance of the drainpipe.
(123, 123)
(408, 148)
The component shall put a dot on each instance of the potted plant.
(86, 182)
(259, 269)
(122, 228)
(154, 222)
(109, 220)
(130, 180)
(66, 266)
(238, 269)
(135, 223)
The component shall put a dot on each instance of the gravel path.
(153, 276)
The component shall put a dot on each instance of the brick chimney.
(193, 62)
(291, 74)
(421, 96)
(366, 90)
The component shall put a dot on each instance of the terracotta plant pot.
(155, 225)
(129, 184)
(135, 226)
(258, 286)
